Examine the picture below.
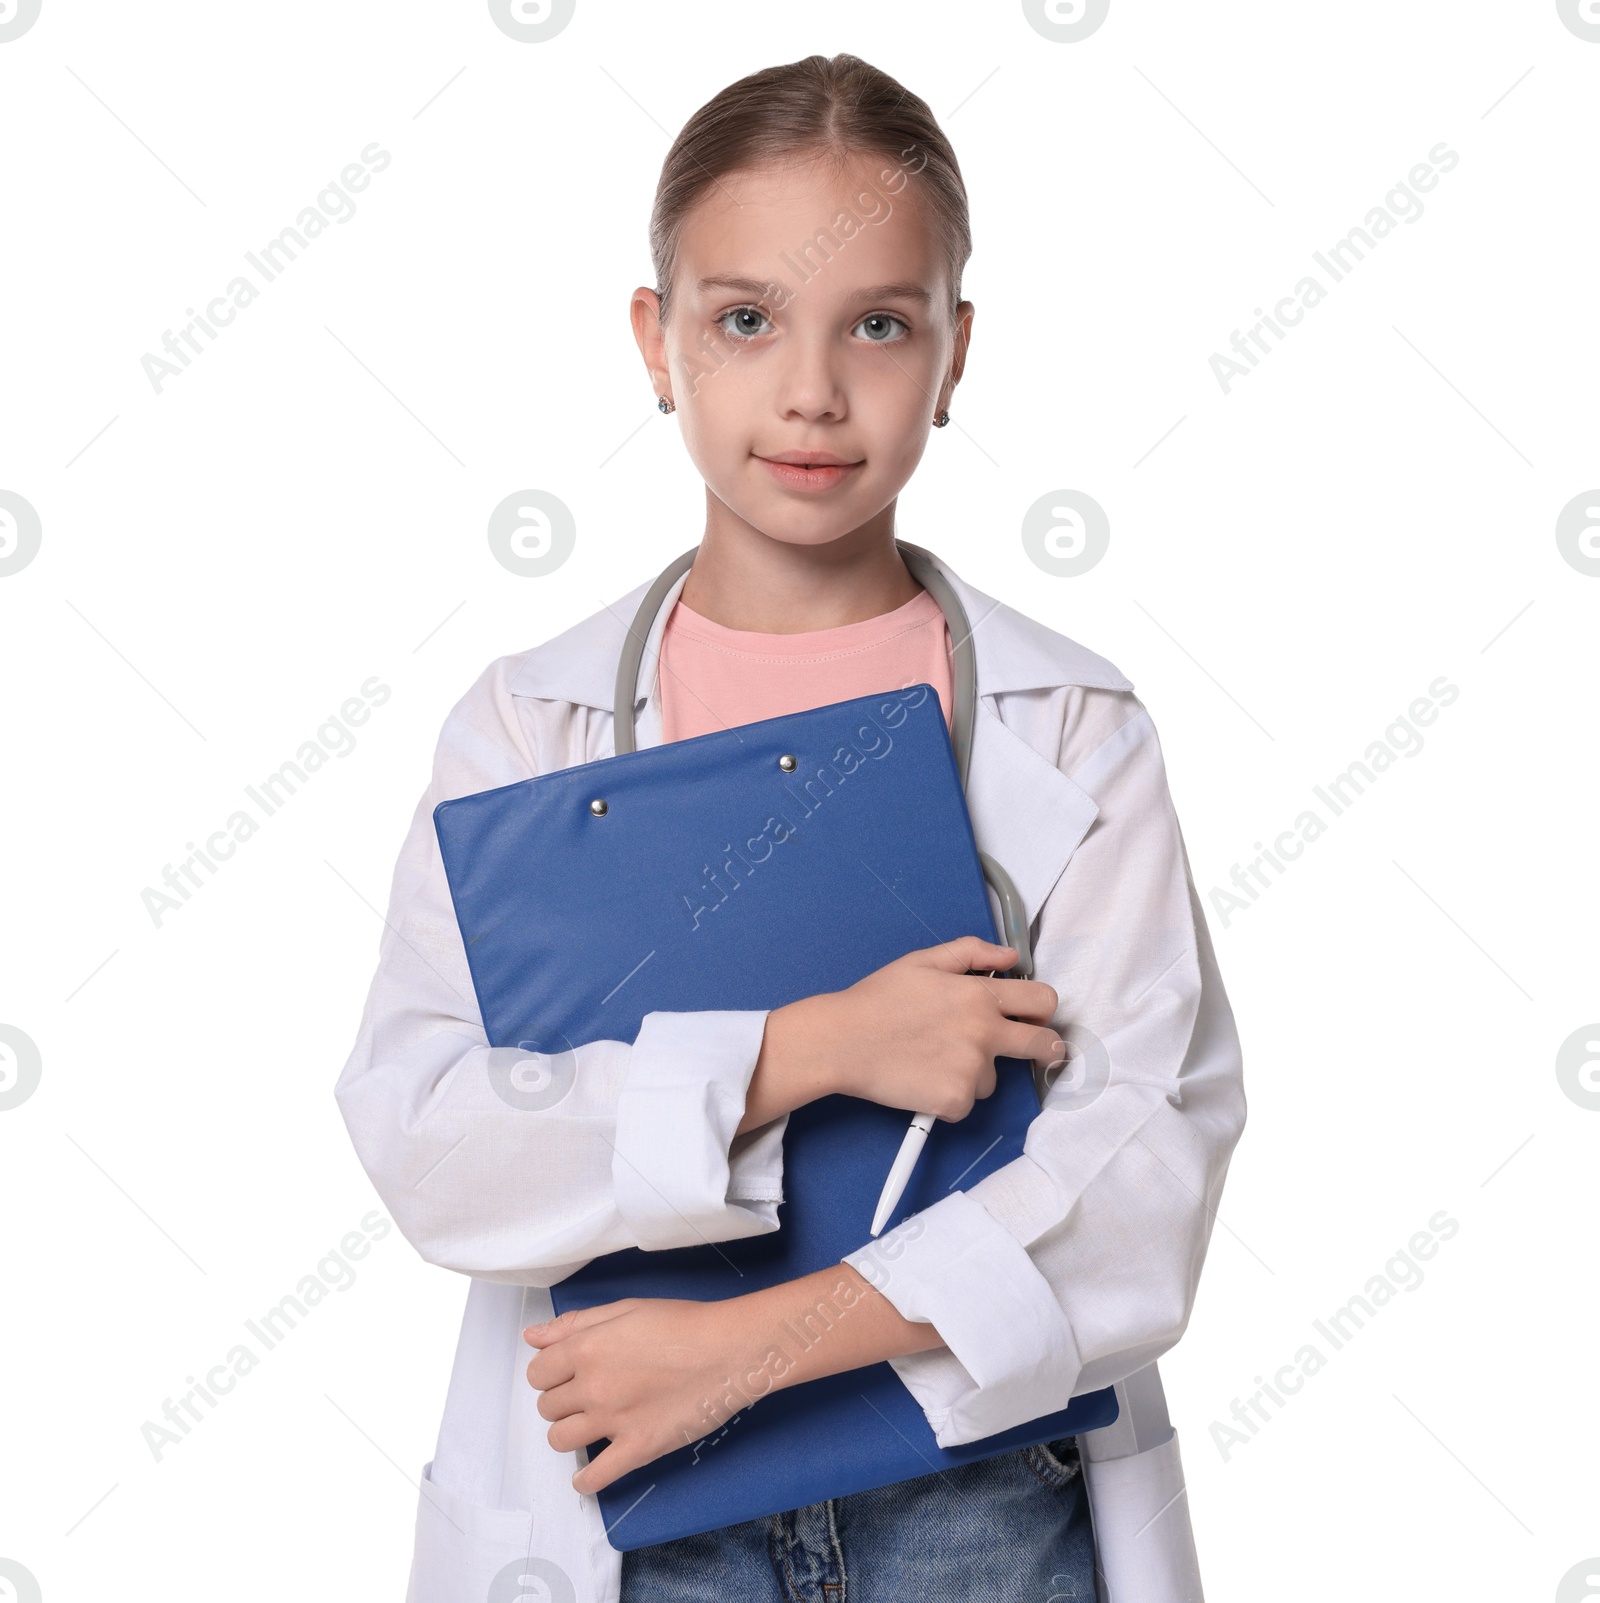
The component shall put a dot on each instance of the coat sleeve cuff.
(1009, 1353)
(681, 1177)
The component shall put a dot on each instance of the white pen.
(905, 1161)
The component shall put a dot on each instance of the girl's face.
(809, 321)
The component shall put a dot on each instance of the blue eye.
(743, 330)
(881, 334)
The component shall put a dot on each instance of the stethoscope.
(964, 673)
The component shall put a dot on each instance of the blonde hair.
(838, 105)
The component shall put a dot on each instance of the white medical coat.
(1069, 1269)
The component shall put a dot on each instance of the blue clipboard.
(718, 875)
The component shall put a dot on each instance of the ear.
(645, 312)
(958, 357)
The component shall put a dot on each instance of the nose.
(809, 384)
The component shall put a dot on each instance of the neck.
(744, 579)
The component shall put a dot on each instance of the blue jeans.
(1010, 1529)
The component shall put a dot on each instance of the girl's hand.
(920, 1033)
(650, 1374)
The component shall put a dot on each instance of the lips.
(808, 470)
(808, 459)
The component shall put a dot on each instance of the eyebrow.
(878, 292)
(745, 286)
(898, 291)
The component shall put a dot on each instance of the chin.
(789, 531)
(790, 520)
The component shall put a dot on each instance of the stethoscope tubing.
(964, 674)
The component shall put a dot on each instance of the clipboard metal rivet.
(787, 763)
(598, 807)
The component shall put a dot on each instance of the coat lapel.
(1026, 813)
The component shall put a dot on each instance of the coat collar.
(1025, 812)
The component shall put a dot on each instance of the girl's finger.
(968, 951)
(570, 1323)
(599, 1472)
(575, 1431)
(1023, 999)
(1028, 1041)
(551, 1367)
(560, 1402)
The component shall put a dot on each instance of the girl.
(807, 330)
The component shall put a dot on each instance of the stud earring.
(666, 405)
(943, 418)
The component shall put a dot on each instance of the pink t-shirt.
(713, 677)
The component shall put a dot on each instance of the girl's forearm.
(822, 1324)
(790, 1071)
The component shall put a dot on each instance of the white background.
(225, 562)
